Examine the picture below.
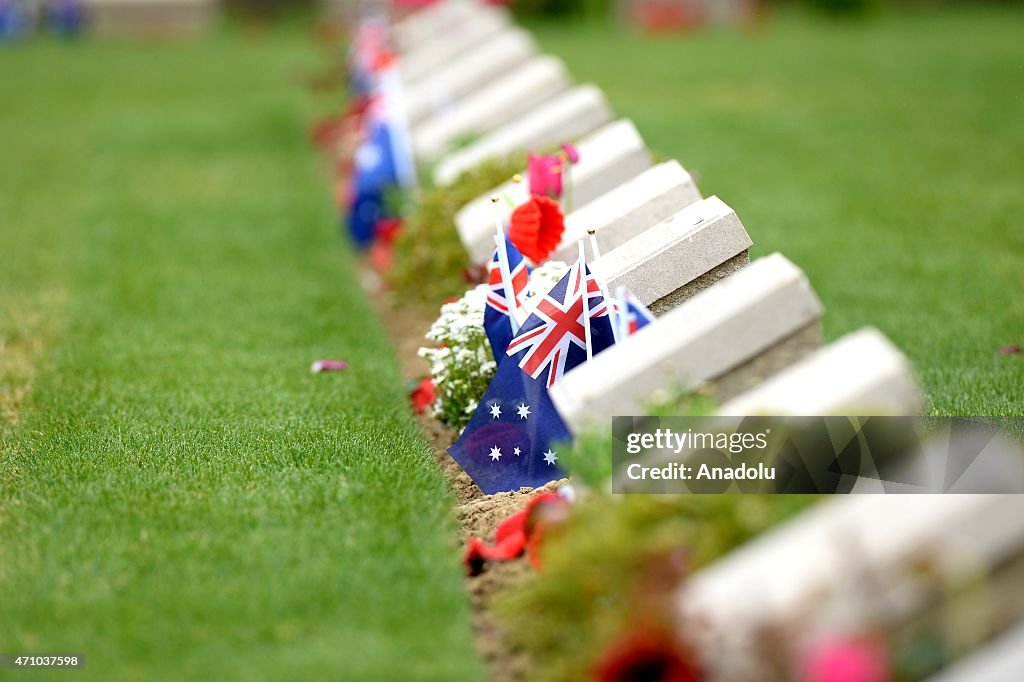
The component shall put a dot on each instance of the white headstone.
(450, 42)
(730, 335)
(564, 117)
(447, 85)
(427, 24)
(493, 104)
(608, 157)
(779, 578)
(862, 373)
(998, 661)
(627, 210)
(674, 259)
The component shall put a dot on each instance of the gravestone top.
(657, 264)
(491, 105)
(608, 156)
(448, 84)
(566, 116)
(715, 332)
(628, 209)
(862, 373)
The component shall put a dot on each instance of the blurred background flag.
(497, 322)
(383, 160)
(635, 314)
(513, 437)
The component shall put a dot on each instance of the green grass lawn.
(179, 497)
(885, 157)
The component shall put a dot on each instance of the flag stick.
(586, 301)
(613, 313)
(506, 275)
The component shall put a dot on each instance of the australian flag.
(513, 438)
(497, 322)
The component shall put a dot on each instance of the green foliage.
(462, 363)
(429, 256)
(611, 567)
(181, 498)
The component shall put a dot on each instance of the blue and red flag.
(513, 437)
(383, 159)
(497, 314)
(636, 313)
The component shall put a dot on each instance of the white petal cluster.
(461, 362)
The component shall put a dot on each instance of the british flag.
(554, 338)
(497, 319)
(520, 275)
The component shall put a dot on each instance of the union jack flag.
(520, 277)
(497, 320)
(554, 338)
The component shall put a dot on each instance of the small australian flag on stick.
(512, 439)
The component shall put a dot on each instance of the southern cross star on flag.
(512, 439)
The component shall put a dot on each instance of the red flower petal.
(423, 395)
(537, 227)
(647, 655)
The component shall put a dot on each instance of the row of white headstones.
(747, 332)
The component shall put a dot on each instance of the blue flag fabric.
(496, 314)
(375, 172)
(513, 437)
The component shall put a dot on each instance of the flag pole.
(506, 275)
(586, 301)
(613, 313)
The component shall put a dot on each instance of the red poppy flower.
(423, 395)
(537, 227)
(647, 655)
(518, 533)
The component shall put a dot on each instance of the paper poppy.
(647, 654)
(423, 395)
(537, 227)
(521, 532)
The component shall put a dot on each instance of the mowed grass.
(180, 498)
(885, 157)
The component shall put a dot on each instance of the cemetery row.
(608, 281)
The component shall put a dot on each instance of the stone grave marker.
(862, 373)
(451, 41)
(476, 67)
(566, 116)
(825, 549)
(493, 104)
(427, 24)
(627, 210)
(671, 261)
(608, 157)
(726, 338)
